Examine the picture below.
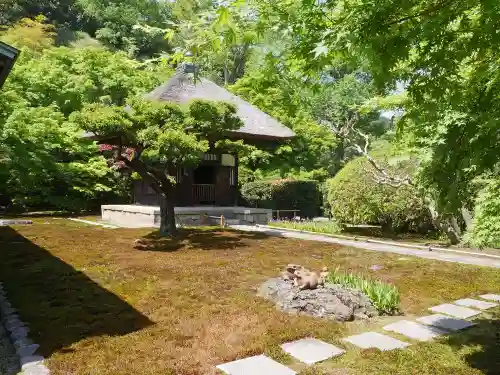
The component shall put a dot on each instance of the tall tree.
(219, 40)
(444, 52)
(155, 139)
(135, 26)
(44, 162)
(275, 89)
(337, 100)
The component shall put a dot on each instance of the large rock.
(330, 301)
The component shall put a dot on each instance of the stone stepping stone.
(491, 297)
(376, 340)
(414, 330)
(481, 305)
(446, 322)
(311, 350)
(454, 310)
(259, 364)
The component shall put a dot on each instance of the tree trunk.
(172, 228)
(467, 216)
(167, 215)
(339, 156)
(445, 226)
(456, 227)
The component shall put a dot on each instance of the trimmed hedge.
(356, 198)
(284, 194)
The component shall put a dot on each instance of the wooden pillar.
(235, 187)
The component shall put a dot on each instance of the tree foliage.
(485, 231)
(219, 40)
(135, 26)
(155, 139)
(444, 53)
(317, 66)
(276, 91)
(356, 198)
(44, 160)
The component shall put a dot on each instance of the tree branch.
(425, 12)
(380, 174)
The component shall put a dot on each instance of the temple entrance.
(204, 177)
(204, 174)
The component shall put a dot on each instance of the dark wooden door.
(223, 190)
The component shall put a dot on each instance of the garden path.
(311, 350)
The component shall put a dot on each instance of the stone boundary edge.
(30, 363)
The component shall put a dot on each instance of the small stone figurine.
(303, 278)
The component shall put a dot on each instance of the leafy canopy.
(44, 162)
(162, 135)
(443, 52)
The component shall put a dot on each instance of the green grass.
(328, 227)
(385, 297)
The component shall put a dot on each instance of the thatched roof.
(181, 89)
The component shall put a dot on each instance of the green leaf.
(320, 50)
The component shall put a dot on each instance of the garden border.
(29, 363)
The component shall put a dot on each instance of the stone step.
(491, 297)
(311, 350)
(480, 305)
(446, 322)
(259, 364)
(376, 340)
(454, 310)
(414, 330)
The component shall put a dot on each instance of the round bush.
(356, 198)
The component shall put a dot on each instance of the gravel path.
(8, 360)
(436, 255)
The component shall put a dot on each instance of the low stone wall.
(136, 216)
(29, 362)
(131, 216)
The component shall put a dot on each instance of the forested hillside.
(350, 77)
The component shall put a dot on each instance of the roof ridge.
(182, 88)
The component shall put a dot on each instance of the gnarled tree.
(155, 139)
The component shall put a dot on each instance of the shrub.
(284, 194)
(355, 197)
(328, 227)
(257, 193)
(385, 297)
(485, 231)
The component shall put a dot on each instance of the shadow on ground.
(485, 338)
(60, 304)
(204, 239)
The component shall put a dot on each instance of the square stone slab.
(469, 302)
(454, 310)
(311, 350)
(259, 364)
(369, 340)
(491, 297)
(446, 322)
(414, 330)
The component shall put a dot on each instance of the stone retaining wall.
(137, 216)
